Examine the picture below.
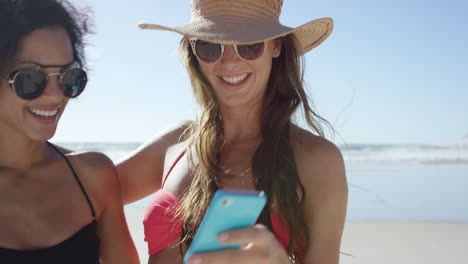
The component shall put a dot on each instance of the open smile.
(44, 113)
(235, 79)
(45, 116)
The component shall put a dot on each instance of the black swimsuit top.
(80, 248)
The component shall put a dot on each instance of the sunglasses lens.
(73, 82)
(251, 51)
(29, 84)
(208, 52)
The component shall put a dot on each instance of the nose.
(53, 88)
(230, 55)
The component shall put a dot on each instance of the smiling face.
(37, 119)
(239, 82)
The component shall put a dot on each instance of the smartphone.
(228, 209)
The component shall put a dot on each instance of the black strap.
(76, 177)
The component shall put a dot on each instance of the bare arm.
(116, 242)
(152, 260)
(140, 174)
(170, 255)
(322, 172)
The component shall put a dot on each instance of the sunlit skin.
(240, 103)
(319, 165)
(48, 46)
(249, 92)
(41, 204)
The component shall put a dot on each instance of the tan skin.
(41, 203)
(320, 166)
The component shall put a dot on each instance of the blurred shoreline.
(394, 154)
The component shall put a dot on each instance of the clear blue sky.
(391, 72)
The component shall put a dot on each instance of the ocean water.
(386, 182)
(433, 192)
(407, 182)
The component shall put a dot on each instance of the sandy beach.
(366, 242)
(395, 242)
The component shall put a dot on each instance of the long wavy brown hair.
(273, 165)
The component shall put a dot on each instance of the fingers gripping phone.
(227, 210)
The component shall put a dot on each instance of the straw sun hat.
(246, 21)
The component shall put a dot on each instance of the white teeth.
(44, 112)
(236, 79)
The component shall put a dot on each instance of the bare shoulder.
(95, 168)
(98, 175)
(314, 148)
(86, 161)
(141, 171)
(92, 160)
(319, 161)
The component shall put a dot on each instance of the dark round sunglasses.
(209, 52)
(29, 84)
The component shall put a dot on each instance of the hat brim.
(309, 35)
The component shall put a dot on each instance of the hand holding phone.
(228, 210)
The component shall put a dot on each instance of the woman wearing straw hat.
(245, 71)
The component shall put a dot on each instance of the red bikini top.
(162, 226)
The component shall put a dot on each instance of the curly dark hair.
(20, 17)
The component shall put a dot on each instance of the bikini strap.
(76, 177)
(172, 166)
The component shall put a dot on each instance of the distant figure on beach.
(246, 73)
(56, 205)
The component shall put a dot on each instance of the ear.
(277, 44)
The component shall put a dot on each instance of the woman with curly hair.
(56, 205)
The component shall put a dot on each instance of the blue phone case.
(228, 209)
